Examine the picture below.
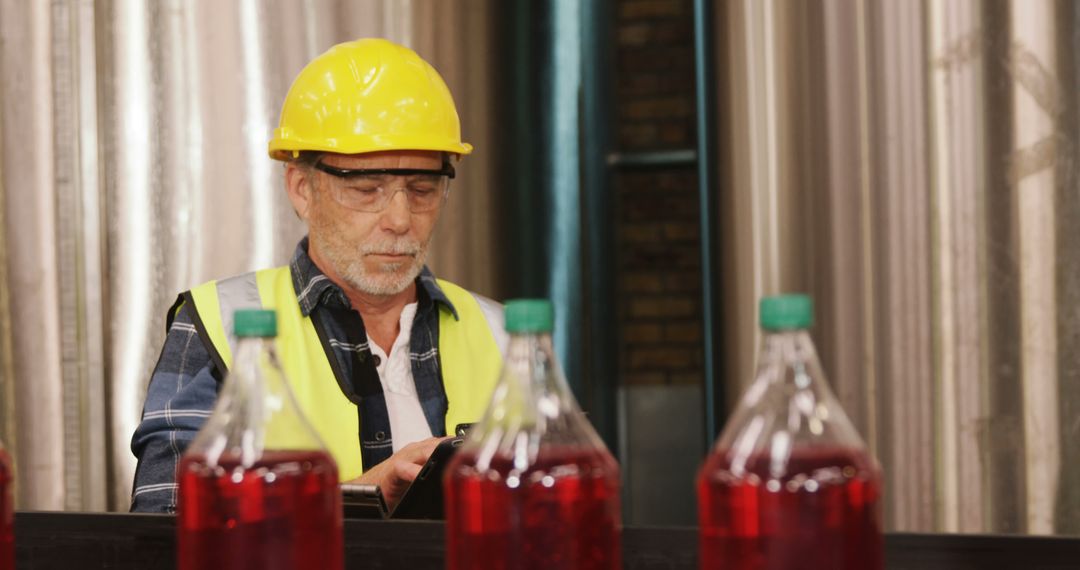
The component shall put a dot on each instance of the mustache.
(405, 247)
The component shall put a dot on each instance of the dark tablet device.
(424, 497)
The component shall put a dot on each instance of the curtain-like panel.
(911, 164)
(32, 236)
(134, 166)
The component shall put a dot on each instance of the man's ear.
(298, 184)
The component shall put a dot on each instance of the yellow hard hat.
(364, 96)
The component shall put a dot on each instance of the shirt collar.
(313, 287)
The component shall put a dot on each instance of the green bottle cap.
(255, 322)
(786, 312)
(529, 316)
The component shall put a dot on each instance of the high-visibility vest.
(468, 352)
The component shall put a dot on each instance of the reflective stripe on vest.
(470, 359)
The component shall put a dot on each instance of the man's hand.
(395, 474)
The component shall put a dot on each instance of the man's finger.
(407, 471)
(421, 450)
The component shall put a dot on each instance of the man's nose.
(396, 217)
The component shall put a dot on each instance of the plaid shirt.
(185, 382)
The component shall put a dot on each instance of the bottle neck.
(532, 408)
(532, 392)
(255, 410)
(532, 356)
(245, 380)
(792, 346)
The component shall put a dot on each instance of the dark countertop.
(124, 541)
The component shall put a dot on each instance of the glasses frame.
(447, 170)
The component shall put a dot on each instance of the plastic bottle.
(7, 514)
(790, 484)
(533, 486)
(257, 488)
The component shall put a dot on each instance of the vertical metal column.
(709, 206)
(520, 170)
(562, 183)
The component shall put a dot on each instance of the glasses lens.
(364, 193)
(426, 192)
(373, 194)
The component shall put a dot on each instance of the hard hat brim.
(285, 148)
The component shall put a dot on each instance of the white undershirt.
(407, 421)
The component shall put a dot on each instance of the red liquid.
(823, 515)
(564, 513)
(282, 513)
(7, 535)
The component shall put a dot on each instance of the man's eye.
(364, 191)
(424, 186)
(422, 191)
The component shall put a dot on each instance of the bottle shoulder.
(559, 461)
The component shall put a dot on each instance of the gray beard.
(348, 262)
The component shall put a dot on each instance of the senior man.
(390, 358)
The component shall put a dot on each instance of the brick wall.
(657, 249)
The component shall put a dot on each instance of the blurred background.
(653, 166)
